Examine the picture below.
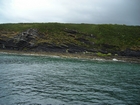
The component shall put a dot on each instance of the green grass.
(120, 36)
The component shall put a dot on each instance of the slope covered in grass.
(106, 38)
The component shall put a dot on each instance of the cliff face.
(64, 40)
(28, 40)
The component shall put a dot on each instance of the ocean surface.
(42, 80)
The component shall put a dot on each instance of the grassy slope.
(120, 36)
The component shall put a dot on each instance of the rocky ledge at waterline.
(74, 41)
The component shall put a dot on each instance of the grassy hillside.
(90, 36)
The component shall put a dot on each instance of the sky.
(71, 11)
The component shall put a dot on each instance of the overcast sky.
(71, 11)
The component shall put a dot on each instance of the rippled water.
(31, 80)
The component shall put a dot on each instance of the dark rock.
(10, 44)
(2, 43)
(27, 35)
(22, 44)
(130, 53)
(71, 31)
(74, 48)
(21, 41)
(59, 48)
(24, 39)
(48, 47)
(31, 45)
(83, 40)
(107, 46)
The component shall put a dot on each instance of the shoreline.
(73, 56)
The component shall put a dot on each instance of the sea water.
(42, 80)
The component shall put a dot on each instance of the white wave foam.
(114, 59)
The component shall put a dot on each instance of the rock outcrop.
(24, 39)
(20, 41)
(2, 43)
(130, 53)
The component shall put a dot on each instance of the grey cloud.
(78, 11)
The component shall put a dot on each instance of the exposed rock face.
(22, 40)
(27, 35)
(25, 38)
(131, 53)
(2, 44)
(74, 48)
(50, 47)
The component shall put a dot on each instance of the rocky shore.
(74, 56)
